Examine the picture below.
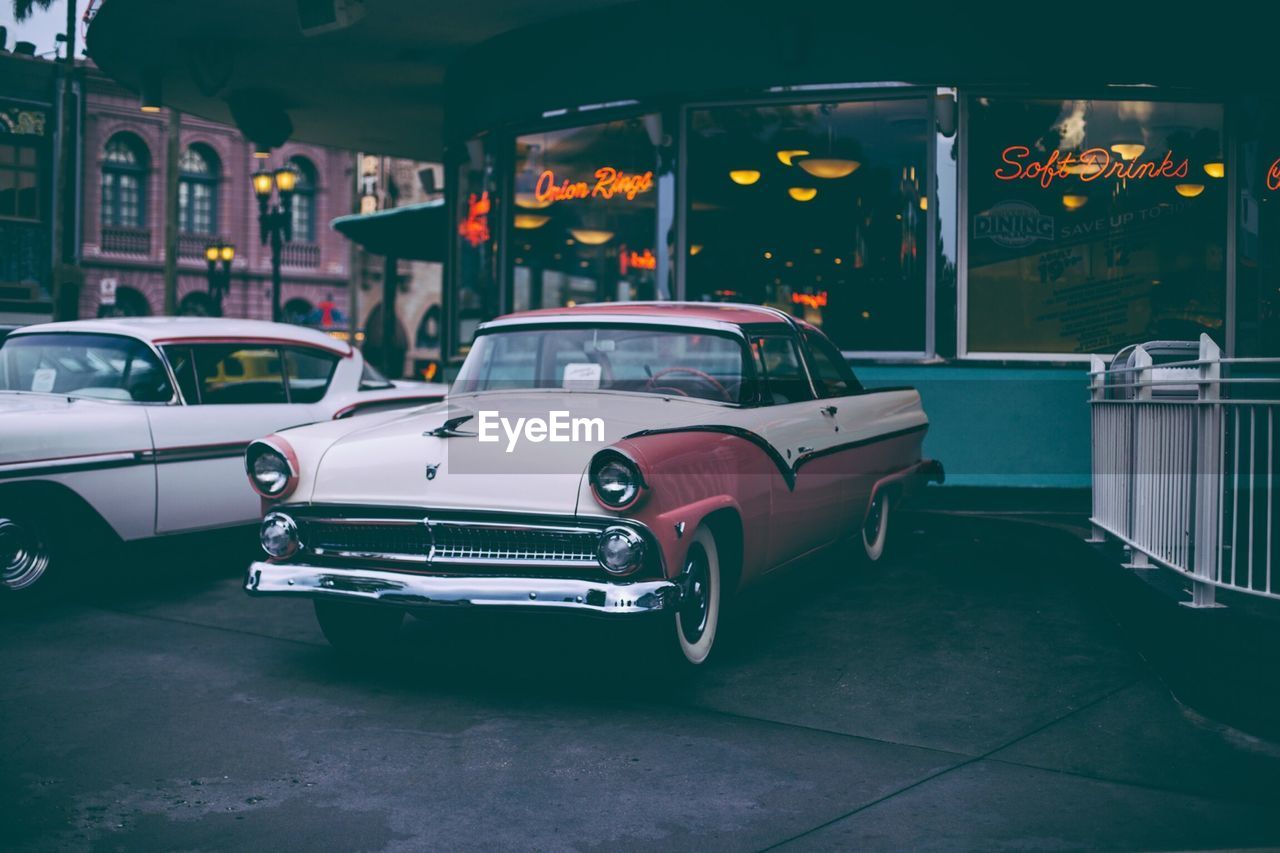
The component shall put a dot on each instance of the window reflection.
(818, 209)
(584, 222)
(1094, 224)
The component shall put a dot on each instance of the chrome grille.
(448, 542)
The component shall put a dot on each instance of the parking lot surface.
(968, 693)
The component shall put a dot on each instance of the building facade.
(29, 106)
(124, 213)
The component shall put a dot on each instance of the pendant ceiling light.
(1128, 150)
(787, 155)
(744, 177)
(1215, 169)
(1189, 190)
(828, 167)
(802, 193)
(591, 236)
(1073, 201)
(530, 220)
(529, 201)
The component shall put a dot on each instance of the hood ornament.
(449, 428)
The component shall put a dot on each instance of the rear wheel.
(24, 551)
(698, 617)
(875, 529)
(352, 627)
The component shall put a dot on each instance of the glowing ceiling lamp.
(530, 201)
(802, 193)
(924, 202)
(744, 177)
(828, 167)
(1215, 169)
(1189, 190)
(695, 248)
(1129, 150)
(786, 155)
(531, 220)
(591, 236)
(1073, 201)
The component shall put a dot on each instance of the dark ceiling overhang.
(414, 232)
(388, 82)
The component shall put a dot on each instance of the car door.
(854, 416)
(806, 513)
(232, 394)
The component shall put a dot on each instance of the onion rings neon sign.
(609, 182)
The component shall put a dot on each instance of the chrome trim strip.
(409, 590)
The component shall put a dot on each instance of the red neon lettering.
(609, 182)
(1273, 176)
(1097, 162)
(811, 300)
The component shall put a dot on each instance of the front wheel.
(24, 552)
(698, 616)
(355, 627)
(875, 530)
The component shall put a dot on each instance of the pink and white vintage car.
(619, 460)
(118, 430)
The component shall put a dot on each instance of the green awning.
(414, 232)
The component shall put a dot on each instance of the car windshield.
(107, 367)
(637, 359)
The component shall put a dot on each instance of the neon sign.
(475, 227)
(1090, 165)
(645, 260)
(810, 300)
(609, 182)
(1273, 176)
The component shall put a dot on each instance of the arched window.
(304, 201)
(125, 165)
(198, 190)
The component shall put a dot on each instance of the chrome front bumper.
(607, 598)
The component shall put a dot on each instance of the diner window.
(585, 220)
(198, 190)
(1258, 231)
(124, 182)
(817, 209)
(474, 296)
(1093, 224)
(19, 181)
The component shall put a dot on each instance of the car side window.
(782, 376)
(309, 372)
(184, 371)
(831, 373)
(229, 374)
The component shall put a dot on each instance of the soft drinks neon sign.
(1090, 165)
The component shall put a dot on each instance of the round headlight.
(615, 480)
(621, 550)
(268, 469)
(279, 535)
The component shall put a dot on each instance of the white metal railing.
(1184, 466)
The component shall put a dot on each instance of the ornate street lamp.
(219, 279)
(275, 222)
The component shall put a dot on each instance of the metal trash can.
(1122, 372)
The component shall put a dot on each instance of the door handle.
(830, 410)
(803, 450)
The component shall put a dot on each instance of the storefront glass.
(475, 273)
(1093, 224)
(1258, 231)
(821, 210)
(584, 225)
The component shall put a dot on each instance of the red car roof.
(722, 312)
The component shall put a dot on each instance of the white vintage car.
(136, 428)
(613, 460)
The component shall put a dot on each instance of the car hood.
(402, 463)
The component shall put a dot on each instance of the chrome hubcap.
(874, 518)
(696, 602)
(23, 557)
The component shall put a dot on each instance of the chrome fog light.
(279, 535)
(621, 550)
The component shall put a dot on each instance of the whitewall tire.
(698, 617)
(875, 529)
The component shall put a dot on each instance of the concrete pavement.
(967, 695)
